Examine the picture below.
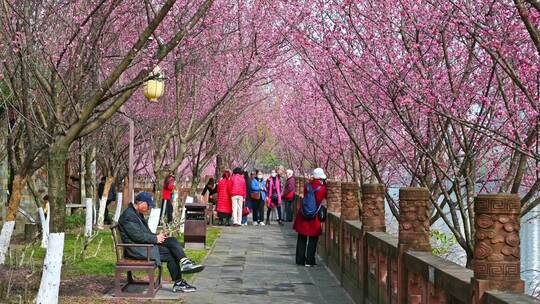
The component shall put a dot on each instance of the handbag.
(245, 211)
(255, 195)
(321, 213)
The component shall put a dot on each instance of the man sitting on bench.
(134, 230)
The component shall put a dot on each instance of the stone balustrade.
(375, 267)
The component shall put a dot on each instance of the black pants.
(224, 218)
(278, 207)
(303, 257)
(258, 210)
(168, 210)
(289, 210)
(107, 219)
(171, 252)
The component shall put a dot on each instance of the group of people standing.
(239, 193)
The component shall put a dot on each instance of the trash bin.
(195, 226)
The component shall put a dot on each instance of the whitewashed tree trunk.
(164, 208)
(103, 202)
(118, 207)
(94, 212)
(101, 212)
(52, 268)
(176, 211)
(5, 237)
(153, 219)
(89, 217)
(44, 228)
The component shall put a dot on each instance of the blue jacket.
(257, 186)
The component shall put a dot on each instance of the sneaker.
(187, 266)
(183, 286)
(309, 265)
(280, 223)
(255, 224)
(261, 223)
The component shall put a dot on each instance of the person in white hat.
(308, 226)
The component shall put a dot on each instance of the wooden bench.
(124, 264)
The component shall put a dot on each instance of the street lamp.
(153, 89)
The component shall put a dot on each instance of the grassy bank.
(85, 273)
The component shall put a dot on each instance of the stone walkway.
(256, 265)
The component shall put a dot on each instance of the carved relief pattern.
(414, 225)
(333, 197)
(349, 201)
(496, 252)
(373, 207)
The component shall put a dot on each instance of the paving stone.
(254, 265)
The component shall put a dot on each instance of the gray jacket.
(134, 230)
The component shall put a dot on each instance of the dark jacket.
(134, 230)
(112, 192)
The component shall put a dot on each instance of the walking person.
(246, 210)
(273, 201)
(237, 190)
(166, 198)
(224, 204)
(309, 229)
(258, 197)
(288, 195)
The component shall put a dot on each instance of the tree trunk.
(103, 201)
(9, 224)
(82, 175)
(90, 172)
(58, 155)
(52, 268)
(220, 166)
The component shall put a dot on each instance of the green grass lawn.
(99, 258)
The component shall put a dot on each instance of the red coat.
(167, 189)
(237, 186)
(310, 227)
(224, 203)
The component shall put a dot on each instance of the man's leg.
(173, 264)
(301, 249)
(179, 255)
(311, 249)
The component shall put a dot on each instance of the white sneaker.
(244, 224)
(261, 223)
(255, 224)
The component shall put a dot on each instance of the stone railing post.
(414, 211)
(349, 201)
(496, 259)
(373, 208)
(372, 218)
(333, 196)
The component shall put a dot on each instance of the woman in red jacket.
(224, 204)
(166, 195)
(237, 191)
(310, 229)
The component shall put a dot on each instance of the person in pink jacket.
(237, 190)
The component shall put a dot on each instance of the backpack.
(309, 204)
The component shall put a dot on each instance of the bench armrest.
(147, 246)
(135, 245)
